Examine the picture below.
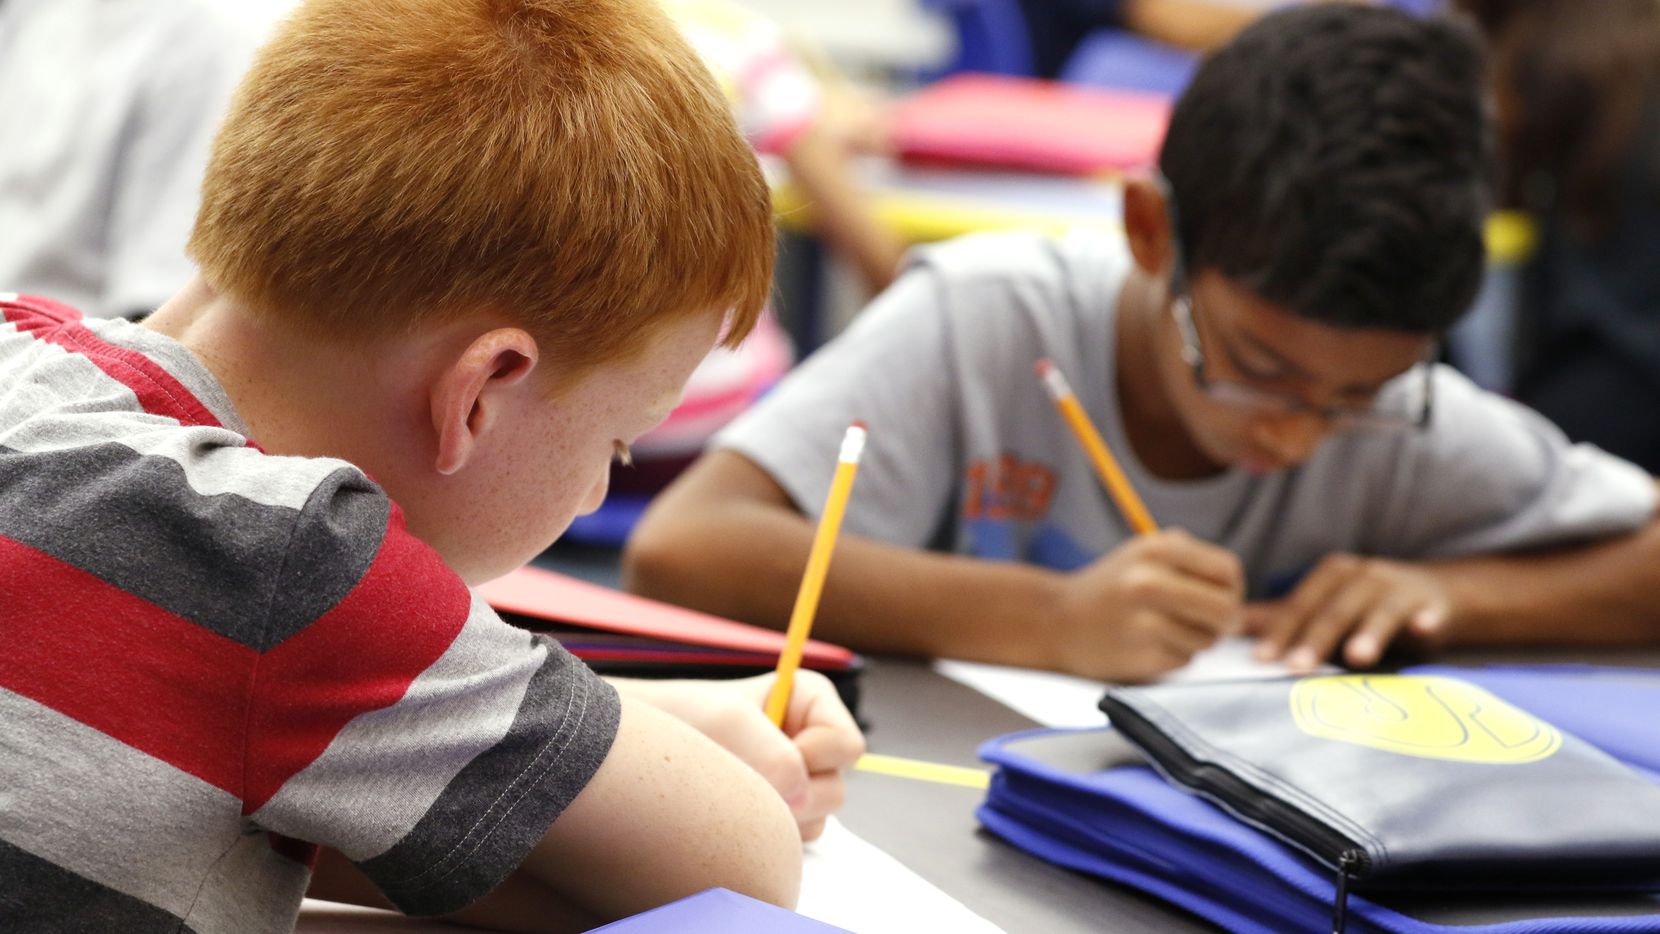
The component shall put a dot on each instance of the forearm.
(745, 561)
(668, 814)
(842, 211)
(519, 903)
(1193, 24)
(1602, 593)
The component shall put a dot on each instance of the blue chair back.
(991, 36)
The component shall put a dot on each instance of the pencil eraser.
(853, 443)
(1053, 379)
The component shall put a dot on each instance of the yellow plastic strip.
(921, 771)
(1511, 238)
(926, 217)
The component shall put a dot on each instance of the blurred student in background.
(1054, 27)
(112, 104)
(1255, 348)
(793, 107)
(1577, 93)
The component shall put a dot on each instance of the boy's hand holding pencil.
(789, 726)
(1150, 604)
(805, 761)
(1146, 607)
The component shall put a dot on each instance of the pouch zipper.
(1340, 902)
(1262, 810)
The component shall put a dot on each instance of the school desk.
(913, 712)
(923, 204)
(928, 203)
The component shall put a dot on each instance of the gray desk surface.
(911, 711)
(914, 712)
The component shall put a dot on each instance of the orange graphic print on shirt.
(1007, 488)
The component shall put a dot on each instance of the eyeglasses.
(1404, 402)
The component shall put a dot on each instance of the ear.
(474, 389)
(1147, 227)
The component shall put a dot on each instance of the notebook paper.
(1060, 701)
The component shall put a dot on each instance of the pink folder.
(600, 625)
(1024, 123)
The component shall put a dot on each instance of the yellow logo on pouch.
(1425, 716)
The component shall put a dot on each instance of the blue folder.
(718, 911)
(1081, 798)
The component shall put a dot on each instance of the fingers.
(820, 725)
(1186, 579)
(826, 796)
(778, 761)
(829, 742)
(1205, 608)
(815, 706)
(1173, 635)
(1342, 612)
(1148, 606)
(1260, 616)
(1394, 612)
(1363, 604)
(825, 741)
(1429, 625)
(826, 749)
(1140, 665)
(1199, 559)
(1312, 594)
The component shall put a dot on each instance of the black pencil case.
(1404, 781)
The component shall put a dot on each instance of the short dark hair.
(1336, 159)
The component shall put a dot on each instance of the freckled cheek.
(572, 480)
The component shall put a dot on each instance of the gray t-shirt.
(967, 452)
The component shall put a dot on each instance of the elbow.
(657, 557)
(773, 872)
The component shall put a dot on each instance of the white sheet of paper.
(851, 884)
(845, 881)
(1057, 700)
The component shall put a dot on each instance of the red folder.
(608, 628)
(1025, 123)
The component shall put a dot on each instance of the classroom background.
(887, 123)
(883, 124)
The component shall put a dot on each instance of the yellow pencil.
(1118, 485)
(818, 564)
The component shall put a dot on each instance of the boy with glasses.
(1256, 351)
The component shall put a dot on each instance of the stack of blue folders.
(1086, 800)
(718, 911)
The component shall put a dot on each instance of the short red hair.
(569, 164)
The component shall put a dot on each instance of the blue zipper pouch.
(1538, 830)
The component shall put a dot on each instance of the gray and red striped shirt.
(213, 659)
